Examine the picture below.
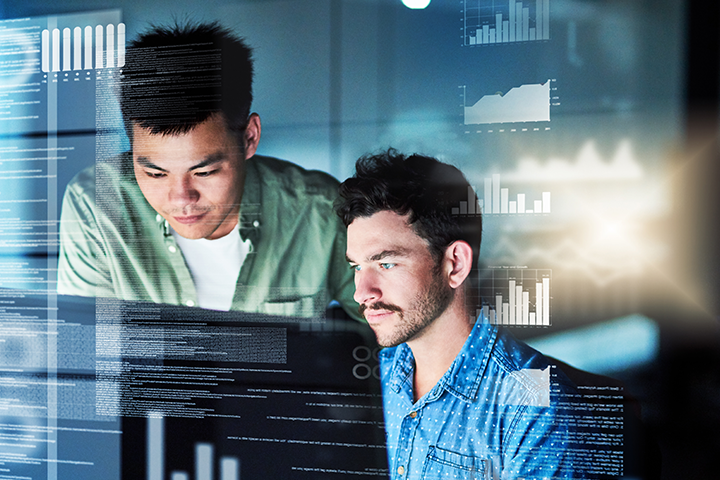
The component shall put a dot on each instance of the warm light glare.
(416, 4)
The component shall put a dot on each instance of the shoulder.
(526, 366)
(114, 172)
(290, 177)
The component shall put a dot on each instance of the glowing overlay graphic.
(526, 103)
(497, 200)
(77, 46)
(515, 296)
(488, 22)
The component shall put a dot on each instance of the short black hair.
(428, 190)
(177, 76)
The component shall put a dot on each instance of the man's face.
(194, 180)
(400, 289)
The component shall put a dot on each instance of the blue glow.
(607, 347)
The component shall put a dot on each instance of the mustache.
(379, 306)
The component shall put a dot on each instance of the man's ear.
(251, 136)
(458, 261)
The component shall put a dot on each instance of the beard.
(425, 308)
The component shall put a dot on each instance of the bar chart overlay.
(489, 22)
(524, 103)
(515, 296)
(497, 200)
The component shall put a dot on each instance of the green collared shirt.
(114, 244)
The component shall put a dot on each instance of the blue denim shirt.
(497, 413)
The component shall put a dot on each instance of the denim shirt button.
(413, 414)
(401, 470)
(172, 249)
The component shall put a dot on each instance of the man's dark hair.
(175, 77)
(428, 190)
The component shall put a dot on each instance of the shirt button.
(190, 303)
(413, 414)
(158, 218)
(256, 224)
(172, 249)
(401, 470)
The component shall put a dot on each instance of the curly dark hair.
(175, 77)
(423, 187)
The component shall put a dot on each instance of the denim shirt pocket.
(444, 464)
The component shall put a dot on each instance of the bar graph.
(515, 296)
(489, 22)
(497, 200)
(204, 458)
(85, 48)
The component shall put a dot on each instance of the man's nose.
(183, 192)
(367, 288)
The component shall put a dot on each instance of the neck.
(436, 348)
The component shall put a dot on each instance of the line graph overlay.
(524, 103)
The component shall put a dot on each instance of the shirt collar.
(463, 377)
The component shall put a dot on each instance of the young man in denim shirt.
(462, 399)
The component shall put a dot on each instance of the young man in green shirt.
(191, 215)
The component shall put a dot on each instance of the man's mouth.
(189, 219)
(379, 311)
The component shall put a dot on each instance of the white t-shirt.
(215, 266)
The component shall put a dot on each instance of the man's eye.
(387, 266)
(205, 174)
(155, 174)
(355, 267)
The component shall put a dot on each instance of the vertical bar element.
(511, 11)
(486, 34)
(512, 206)
(496, 193)
(546, 19)
(525, 24)
(471, 201)
(512, 302)
(532, 318)
(539, 19)
(499, 28)
(498, 309)
(203, 461)
(506, 31)
(493, 317)
(99, 47)
(546, 301)
(121, 45)
(480, 207)
(518, 22)
(88, 48)
(473, 40)
(537, 206)
(229, 468)
(538, 302)
(531, 33)
(478, 36)
(463, 208)
(526, 308)
(493, 37)
(45, 62)
(504, 192)
(546, 202)
(518, 304)
(486, 313)
(155, 447)
(521, 203)
(66, 44)
(179, 476)
(487, 204)
(77, 48)
(55, 50)
(110, 46)
(505, 314)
